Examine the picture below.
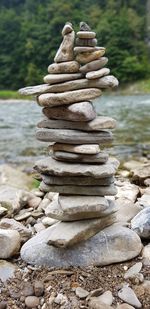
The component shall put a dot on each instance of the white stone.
(9, 243)
(58, 78)
(12, 224)
(141, 223)
(146, 255)
(81, 293)
(133, 270)
(128, 295)
(81, 149)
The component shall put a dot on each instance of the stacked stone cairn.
(77, 176)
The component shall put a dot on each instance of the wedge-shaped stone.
(64, 67)
(67, 29)
(58, 78)
(78, 181)
(97, 74)
(104, 82)
(98, 124)
(50, 166)
(94, 65)
(68, 97)
(82, 111)
(87, 57)
(72, 208)
(66, 234)
(86, 34)
(65, 51)
(80, 190)
(81, 149)
(101, 157)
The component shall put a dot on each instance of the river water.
(18, 121)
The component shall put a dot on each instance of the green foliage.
(30, 33)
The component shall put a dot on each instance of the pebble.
(86, 42)
(95, 303)
(38, 288)
(81, 293)
(27, 289)
(32, 301)
(88, 57)
(39, 227)
(106, 298)
(93, 65)
(86, 35)
(128, 295)
(64, 67)
(49, 221)
(134, 270)
(3, 305)
(98, 73)
(141, 223)
(34, 202)
(61, 299)
(146, 255)
(9, 243)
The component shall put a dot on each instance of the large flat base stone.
(114, 244)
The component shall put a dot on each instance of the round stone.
(32, 301)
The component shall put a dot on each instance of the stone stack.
(77, 169)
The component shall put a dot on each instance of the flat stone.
(106, 298)
(128, 191)
(108, 81)
(93, 65)
(65, 51)
(81, 293)
(125, 306)
(64, 67)
(58, 78)
(80, 190)
(141, 223)
(144, 200)
(127, 210)
(67, 29)
(9, 243)
(66, 234)
(97, 74)
(7, 270)
(22, 215)
(112, 245)
(10, 198)
(12, 224)
(95, 303)
(71, 208)
(86, 34)
(86, 42)
(49, 221)
(85, 49)
(74, 136)
(50, 166)
(101, 157)
(80, 112)
(88, 57)
(80, 149)
(68, 97)
(128, 295)
(146, 255)
(133, 270)
(78, 181)
(97, 124)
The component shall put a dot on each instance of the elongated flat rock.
(98, 124)
(50, 166)
(93, 65)
(58, 78)
(86, 42)
(82, 111)
(74, 136)
(105, 82)
(78, 181)
(86, 34)
(80, 190)
(64, 67)
(87, 57)
(101, 157)
(97, 74)
(81, 149)
(85, 49)
(75, 207)
(65, 51)
(66, 234)
(68, 97)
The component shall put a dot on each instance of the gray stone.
(88, 57)
(81, 293)
(12, 224)
(78, 181)
(80, 112)
(7, 270)
(80, 149)
(58, 78)
(97, 74)
(146, 255)
(68, 97)
(32, 301)
(9, 243)
(106, 298)
(10, 198)
(3, 211)
(128, 295)
(74, 136)
(141, 223)
(101, 157)
(86, 34)
(128, 191)
(38, 288)
(84, 26)
(71, 208)
(13, 177)
(94, 65)
(127, 210)
(125, 306)
(97, 124)
(22, 215)
(65, 51)
(112, 245)
(67, 29)
(85, 49)
(133, 270)
(80, 190)
(64, 67)
(50, 166)
(86, 42)
(49, 221)
(144, 200)
(108, 81)
(96, 303)
(39, 227)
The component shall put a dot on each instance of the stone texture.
(140, 174)
(74, 136)
(128, 191)
(95, 303)
(71, 208)
(106, 298)
(108, 81)
(68, 97)
(127, 210)
(78, 181)
(13, 177)
(146, 255)
(67, 29)
(7, 270)
(12, 224)
(101, 157)
(128, 295)
(81, 293)
(113, 244)
(88, 57)
(10, 198)
(80, 112)
(79, 190)
(9, 243)
(86, 34)
(98, 73)
(86, 42)
(133, 270)
(64, 67)
(80, 149)
(32, 301)
(141, 223)
(97, 124)
(65, 51)
(125, 306)
(94, 65)
(58, 78)
(50, 166)
(85, 49)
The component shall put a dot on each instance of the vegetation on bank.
(30, 33)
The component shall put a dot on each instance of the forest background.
(30, 33)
